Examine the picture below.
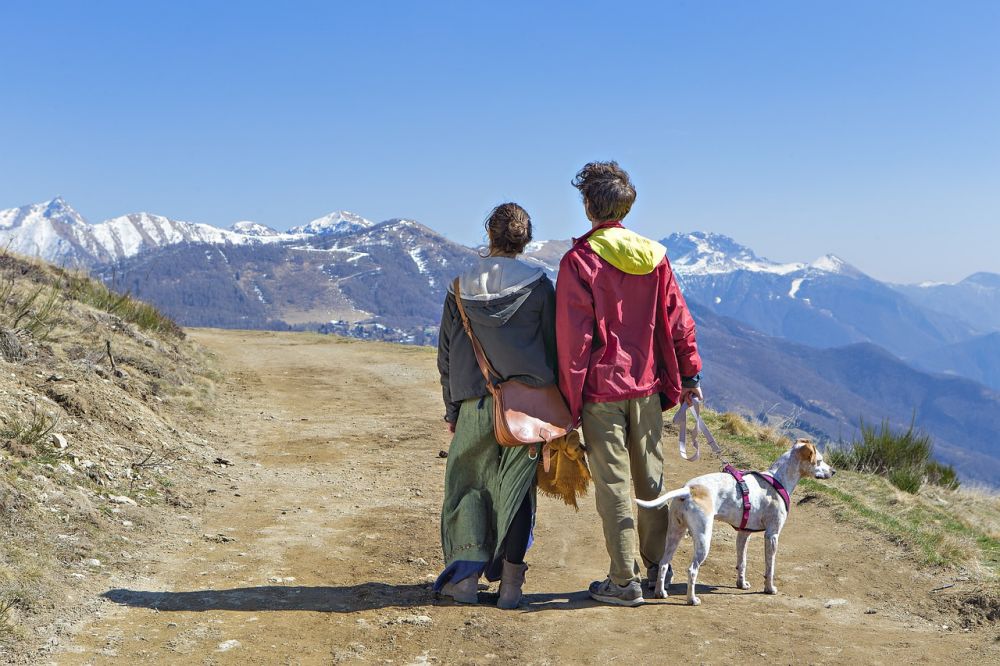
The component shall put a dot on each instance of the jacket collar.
(602, 225)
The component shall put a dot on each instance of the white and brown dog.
(719, 496)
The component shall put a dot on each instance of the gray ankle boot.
(465, 591)
(511, 581)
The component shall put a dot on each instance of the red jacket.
(623, 330)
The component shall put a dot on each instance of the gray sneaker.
(608, 592)
(654, 571)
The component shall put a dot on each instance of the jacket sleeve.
(445, 333)
(681, 328)
(548, 324)
(574, 333)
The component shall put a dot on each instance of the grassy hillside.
(952, 531)
(100, 397)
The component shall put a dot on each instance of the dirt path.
(318, 544)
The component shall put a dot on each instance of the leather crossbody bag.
(522, 414)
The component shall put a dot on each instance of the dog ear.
(813, 455)
(805, 449)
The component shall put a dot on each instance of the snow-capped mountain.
(51, 230)
(700, 253)
(824, 303)
(54, 231)
(337, 222)
(128, 235)
(249, 228)
(394, 271)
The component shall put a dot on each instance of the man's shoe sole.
(617, 601)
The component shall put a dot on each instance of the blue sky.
(870, 130)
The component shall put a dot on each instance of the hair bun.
(509, 228)
(517, 229)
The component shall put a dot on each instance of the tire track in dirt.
(317, 546)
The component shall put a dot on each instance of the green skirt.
(484, 486)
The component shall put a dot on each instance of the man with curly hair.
(627, 352)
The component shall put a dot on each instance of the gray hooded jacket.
(512, 308)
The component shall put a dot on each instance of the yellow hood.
(626, 250)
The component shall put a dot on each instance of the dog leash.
(680, 420)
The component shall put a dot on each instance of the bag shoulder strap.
(484, 363)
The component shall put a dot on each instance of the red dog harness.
(745, 491)
(680, 420)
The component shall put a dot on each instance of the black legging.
(516, 544)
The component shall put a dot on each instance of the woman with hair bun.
(489, 505)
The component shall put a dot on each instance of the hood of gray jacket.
(495, 288)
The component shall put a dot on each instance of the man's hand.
(451, 427)
(689, 394)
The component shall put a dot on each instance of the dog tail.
(684, 492)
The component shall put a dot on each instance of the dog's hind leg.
(770, 555)
(742, 539)
(701, 535)
(675, 532)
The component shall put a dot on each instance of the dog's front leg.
(770, 555)
(742, 539)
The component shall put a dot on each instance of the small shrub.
(27, 434)
(840, 457)
(904, 457)
(36, 314)
(907, 479)
(882, 450)
(942, 475)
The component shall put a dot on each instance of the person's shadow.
(345, 599)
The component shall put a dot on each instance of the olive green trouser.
(623, 446)
(484, 486)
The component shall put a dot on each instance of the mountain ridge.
(821, 326)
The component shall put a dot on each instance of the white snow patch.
(418, 259)
(416, 254)
(717, 300)
(796, 285)
(260, 294)
(829, 263)
(355, 255)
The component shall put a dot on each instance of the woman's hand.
(451, 427)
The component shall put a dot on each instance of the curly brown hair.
(608, 193)
(509, 229)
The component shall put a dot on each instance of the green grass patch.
(96, 294)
